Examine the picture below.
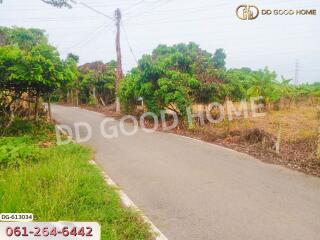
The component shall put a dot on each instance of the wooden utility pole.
(119, 73)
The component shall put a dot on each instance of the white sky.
(273, 41)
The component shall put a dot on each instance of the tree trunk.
(29, 110)
(68, 96)
(36, 108)
(71, 96)
(49, 107)
(94, 92)
(77, 97)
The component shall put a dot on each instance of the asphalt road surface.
(195, 190)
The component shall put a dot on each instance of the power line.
(87, 40)
(184, 11)
(96, 11)
(128, 42)
(160, 4)
(134, 6)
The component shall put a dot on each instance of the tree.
(265, 85)
(74, 57)
(70, 84)
(219, 58)
(163, 80)
(97, 81)
(12, 64)
(44, 73)
(28, 65)
(24, 38)
(175, 76)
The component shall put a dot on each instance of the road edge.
(127, 202)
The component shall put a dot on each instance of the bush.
(58, 183)
(92, 101)
(17, 151)
(128, 93)
(21, 143)
(38, 131)
(159, 87)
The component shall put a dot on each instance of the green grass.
(61, 185)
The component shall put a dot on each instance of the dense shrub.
(38, 131)
(22, 142)
(16, 151)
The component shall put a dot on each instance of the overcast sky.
(273, 41)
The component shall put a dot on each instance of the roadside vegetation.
(58, 183)
(182, 75)
(185, 76)
(171, 77)
(37, 176)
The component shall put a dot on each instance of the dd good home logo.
(247, 12)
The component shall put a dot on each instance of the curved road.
(195, 190)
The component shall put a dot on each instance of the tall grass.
(64, 186)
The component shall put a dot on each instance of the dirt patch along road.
(195, 190)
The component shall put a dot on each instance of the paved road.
(194, 190)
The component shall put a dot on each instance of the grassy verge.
(296, 129)
(58, 183)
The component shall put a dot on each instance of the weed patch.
(57, 183)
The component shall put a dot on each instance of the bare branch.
(60, 3)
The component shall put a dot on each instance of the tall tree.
(28, 65)
(97, 81)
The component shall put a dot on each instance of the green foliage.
(47, 70)
(17, 151)
(175, 91)
(219, 58)
(129, 90)
(74, 57)
(71, 73)
(162, 80)
(28, 63)
(172, 77)
(176, 76)
(97, 80)
(38, 131)
(61, 185)
(30, 68)
(20, 144)
(22, 38)
(92, 101)
(11, 65)
(34, 72)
